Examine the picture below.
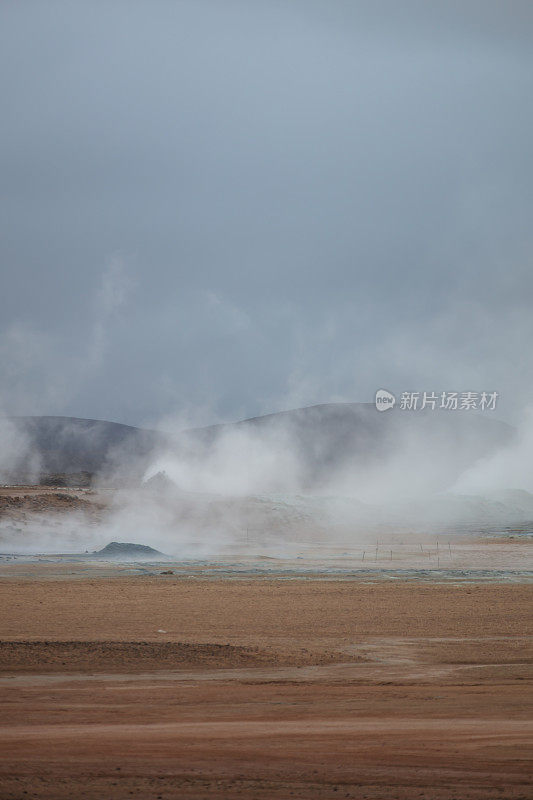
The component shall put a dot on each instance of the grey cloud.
(312, 199)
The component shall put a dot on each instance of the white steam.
(251, 488)
(18, 459)
(510, 468)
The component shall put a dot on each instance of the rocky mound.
(128, 550)
(160, 482)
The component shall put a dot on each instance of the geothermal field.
(159, 642)
(266, 400)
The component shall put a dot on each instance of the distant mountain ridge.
(324, 438)
(332, 437)
(75, 445)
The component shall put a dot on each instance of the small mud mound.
(160, 482)
(128, 550)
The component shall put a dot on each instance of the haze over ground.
(215, 210)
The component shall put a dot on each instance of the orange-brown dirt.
(167, 687)
(19, 503)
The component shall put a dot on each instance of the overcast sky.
(221, 208)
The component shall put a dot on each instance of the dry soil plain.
(117, 684)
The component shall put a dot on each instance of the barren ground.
(173, 687)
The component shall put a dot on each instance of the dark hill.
(333, 436)
(73, 445)
(325, 438)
